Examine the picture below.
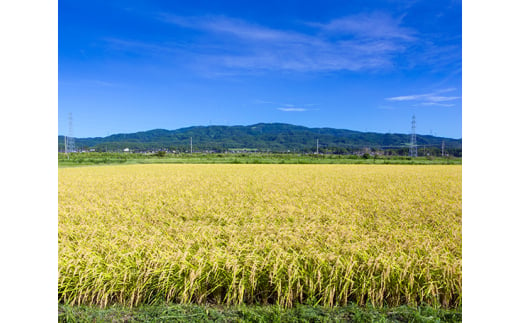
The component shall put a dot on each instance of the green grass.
(271, 313)
(89, 159)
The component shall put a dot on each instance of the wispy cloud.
(289, 107)
(223, 45)
(375, 25)
(292, 109)
(428, 99)
(229, 26)
(437, 104)
(353, 43)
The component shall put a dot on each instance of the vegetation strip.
(86, 159)
(267, 314)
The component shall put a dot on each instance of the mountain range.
(273, 137)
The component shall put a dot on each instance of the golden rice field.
(260, 234)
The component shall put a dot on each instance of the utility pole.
(442, 150)
(317, 145)
(191, 145)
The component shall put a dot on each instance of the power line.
(66, 153)
(413, 140)
(69, 141)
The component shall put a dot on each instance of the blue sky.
(127, 66)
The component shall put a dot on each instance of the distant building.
(126, 150)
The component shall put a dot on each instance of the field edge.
(256, 313)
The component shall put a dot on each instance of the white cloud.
(289, 107)
(443, 98)
(230, 26)
(437, 104)
(407, 97)
(369, 42)
(292, 109)
(226, 46)
(428, 99)
(375, 25)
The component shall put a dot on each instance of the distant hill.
(273, 137)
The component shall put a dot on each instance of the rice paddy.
(260, 234)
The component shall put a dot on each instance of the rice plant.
(260, 234)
